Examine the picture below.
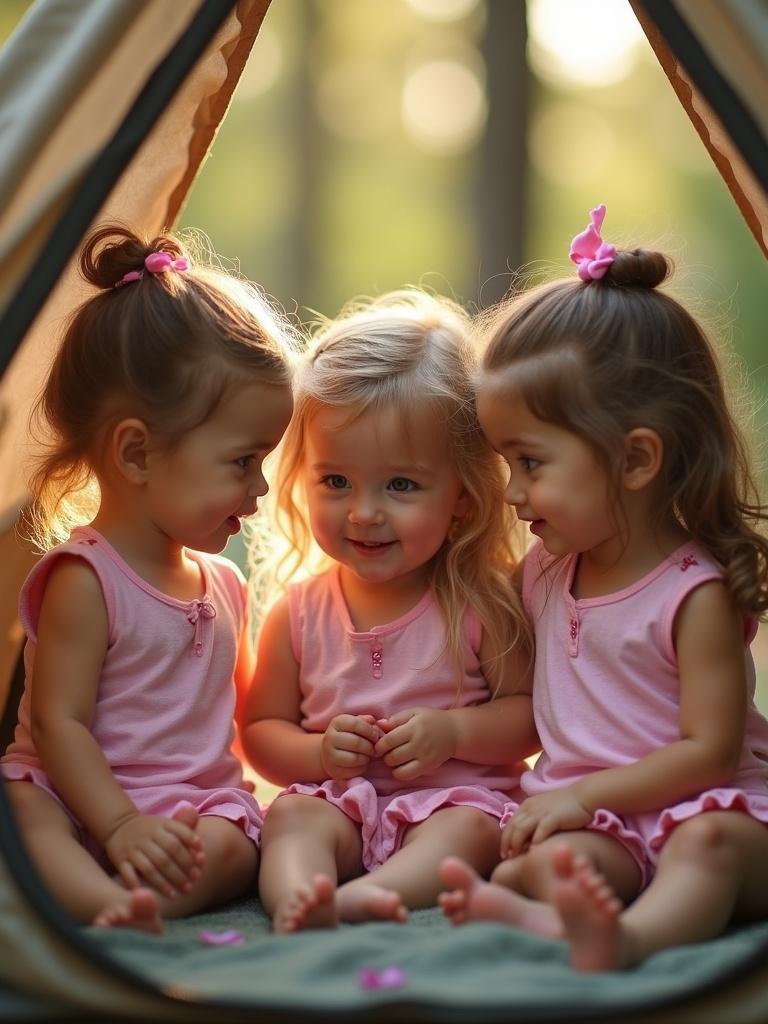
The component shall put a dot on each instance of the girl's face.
(556, 483)
(200, 490)
(381, 497)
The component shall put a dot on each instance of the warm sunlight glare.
(442, 10)
(583, 42)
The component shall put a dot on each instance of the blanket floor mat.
(429, 970)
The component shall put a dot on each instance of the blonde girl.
(171, 385)
(391, 693)
(645, 819)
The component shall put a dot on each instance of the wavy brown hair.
(603, 357)
(165, 348)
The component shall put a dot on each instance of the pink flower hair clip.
(589, 252)
(155, 263)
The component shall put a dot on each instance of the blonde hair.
(603, 357)
(166, 348)
(404, 349)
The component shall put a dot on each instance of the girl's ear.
(130, 444)
(643, 455)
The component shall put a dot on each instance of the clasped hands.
(411, 743)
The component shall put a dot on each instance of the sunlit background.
(372, 144)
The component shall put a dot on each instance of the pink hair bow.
(159, 262)
(155, 263)
(589, 252)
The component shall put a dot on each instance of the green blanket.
(489, 971)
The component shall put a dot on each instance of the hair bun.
(113, 250)
(639, 268)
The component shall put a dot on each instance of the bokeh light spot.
(443, 106)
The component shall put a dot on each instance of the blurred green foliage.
(317, 188)
(319, 210)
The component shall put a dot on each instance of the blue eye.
(401, 485)
(335, 481)
(528, 463)
(244, 461)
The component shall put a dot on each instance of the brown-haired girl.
(170, 387)
(643, 588)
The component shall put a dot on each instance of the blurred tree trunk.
(308, 150)
(502, 176)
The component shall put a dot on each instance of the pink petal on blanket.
(389, 977)
(231, 938)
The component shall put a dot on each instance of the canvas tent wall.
(107, 110)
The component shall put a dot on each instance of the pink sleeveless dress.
(165, 705)
(392, 667)
(606, 691)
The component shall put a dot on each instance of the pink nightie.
(166, 698)
(392, 667)
(606, 691)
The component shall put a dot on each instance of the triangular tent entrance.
(107, 110)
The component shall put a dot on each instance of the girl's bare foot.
(188, 815)
(590, 911)
(473, 899)
(363, 902)
(310, 906)
(138, 910)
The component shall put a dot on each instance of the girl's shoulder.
(316, 587)
(82, 546)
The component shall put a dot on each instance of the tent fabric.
(107, 110)
(106, 159)
(715, 54)
(76, 155)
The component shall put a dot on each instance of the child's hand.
(416, 741)
(160, 852)
(347, 745)
(541, 816)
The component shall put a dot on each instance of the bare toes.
(457, 874)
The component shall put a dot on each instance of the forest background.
(456, 144)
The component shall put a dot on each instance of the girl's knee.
(305, 815)
(703, 839)
(228, 848)
(476, 823)
(474, 834)
(288, 812)
(34, 808)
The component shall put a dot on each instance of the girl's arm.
(709, 641)
(274, 741)
(244, 669)
(69, 655)
(500, 730)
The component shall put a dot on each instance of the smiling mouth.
(371, 547)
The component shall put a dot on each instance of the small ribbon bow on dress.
(196, 612)
(589, 252)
